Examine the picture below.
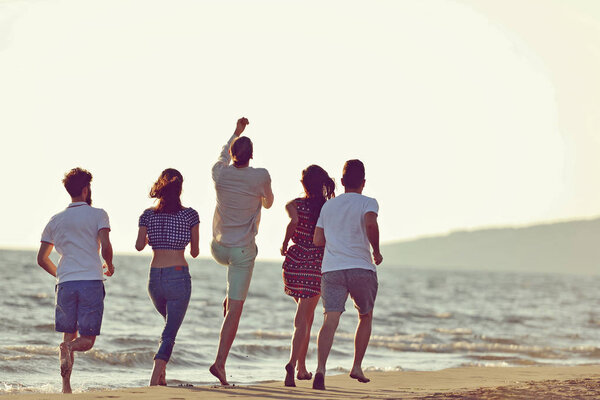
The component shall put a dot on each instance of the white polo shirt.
(74, 234)
(343, 221)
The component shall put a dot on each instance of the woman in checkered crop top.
(168, 228)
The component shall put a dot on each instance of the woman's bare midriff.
(168, 258)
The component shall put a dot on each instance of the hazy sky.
(465, 113)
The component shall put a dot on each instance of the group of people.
(334, 254)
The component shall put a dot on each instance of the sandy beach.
(580, 382)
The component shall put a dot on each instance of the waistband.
(166, 271)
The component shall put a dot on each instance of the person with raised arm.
(80, 233)
(168, 228)
(241, 191)
(348, 229)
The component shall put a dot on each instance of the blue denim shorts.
(79, 307)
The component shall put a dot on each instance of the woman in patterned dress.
(168, 228)
(302, 265)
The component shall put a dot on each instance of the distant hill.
(569, 247)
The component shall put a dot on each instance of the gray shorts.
(360, 283)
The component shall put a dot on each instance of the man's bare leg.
(324, 342)
(228, 332)
(361, 341)
(158, 372)
(66, 361)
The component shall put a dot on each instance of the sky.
(466, 114)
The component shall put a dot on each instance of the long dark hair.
(318, 187)
(167, 189)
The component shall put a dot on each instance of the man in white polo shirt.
(77, 233)
(348, 228)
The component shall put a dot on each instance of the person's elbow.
(140, 247)
(41, 260)
(319, 238)
(194, 252)
(267, 202)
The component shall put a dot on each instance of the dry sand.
(580, 382)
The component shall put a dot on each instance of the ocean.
(424, 319)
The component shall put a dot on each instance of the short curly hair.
(75, 180)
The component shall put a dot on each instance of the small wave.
(461, 347)
(128, 359)
(40, 350)
(260, 334)
(424, 315)
(456, 331)
(490, 339)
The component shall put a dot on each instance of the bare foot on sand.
(304, 375)
(289, 375)
(357, 374)
(319, 381)
(162, 381)
(66, 362)
(219, 373)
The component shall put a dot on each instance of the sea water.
(424, 319)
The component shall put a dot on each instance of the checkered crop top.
(169, 231)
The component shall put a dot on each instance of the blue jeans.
(170, 289)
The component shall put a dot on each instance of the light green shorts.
(240, 264)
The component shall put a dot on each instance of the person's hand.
(241, 125)
(284, 249)
(377, 257)
(110, 269)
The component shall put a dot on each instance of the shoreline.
(469, 382)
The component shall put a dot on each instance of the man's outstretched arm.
(373, 235)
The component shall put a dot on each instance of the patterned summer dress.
(302, 264)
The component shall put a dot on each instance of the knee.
(89, 342)
(365, 317)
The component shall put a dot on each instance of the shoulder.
(100, 212)
(148, 211)
(189, 211)
(262, 172)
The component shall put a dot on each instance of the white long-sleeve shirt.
(241, 193)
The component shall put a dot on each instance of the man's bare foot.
(289, 375)
(319, 381)
(66, 362)
(66, 388)
(358, 374)
(219, 373)
(162, 381)
(304, 375)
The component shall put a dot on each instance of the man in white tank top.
(77, 233)
(348, 229)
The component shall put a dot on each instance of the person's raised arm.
(107, 251)
(225, 157)
(43, 258)
(319, 237)
(373, 235)
(142, 238)
(195, 240)
(291, 227)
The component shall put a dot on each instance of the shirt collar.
(77, 204)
